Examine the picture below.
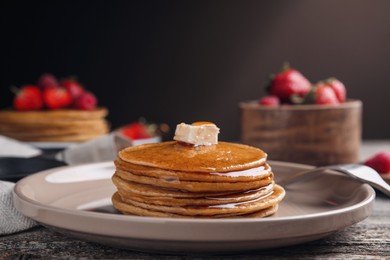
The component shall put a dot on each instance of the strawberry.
(287, 83)
(47, 81)
(324, 95)
(55, 98)
(269, 101)
(29, 97)
(86, 101)
(379, 162)
(338, 88)
(136, 130)
(73, 87)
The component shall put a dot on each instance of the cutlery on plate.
(360, 172)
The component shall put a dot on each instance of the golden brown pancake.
(222, 157)
(231, 209)
(134, 210)
(195, 186)
(210, 210)
(63, 125)
(202, 201)
(45, 115)
(192, 198)
(149, 190)
(253, 174)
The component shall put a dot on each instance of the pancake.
(62, 125)
(59, 138)
(203, 199)
(252, 174)
(222, 157)
(139, 189)
(45, 115)
(149, 190)
(195, 186)
(221, 209)
(129, 209)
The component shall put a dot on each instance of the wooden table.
(367, 239)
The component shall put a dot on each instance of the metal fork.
(360, 172)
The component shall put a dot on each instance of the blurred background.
(185, 61)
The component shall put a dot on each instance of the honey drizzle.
(222, 157)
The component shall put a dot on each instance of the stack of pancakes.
(67, 125)
(173, 179)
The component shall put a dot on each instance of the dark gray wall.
(174, 61)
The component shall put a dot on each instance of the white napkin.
(11, 220)
(96, 150)
(13, 148)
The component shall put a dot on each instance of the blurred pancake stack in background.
(54, 125)
(54, 111)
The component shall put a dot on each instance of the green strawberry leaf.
(296, 99)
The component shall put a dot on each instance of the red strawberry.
(29, 97)
(379, 162)
(287, 83)
(55, 98)
(338, 88)
(135, 131)
(324, 95)
(87, 101)
(73, 87)
(269, 101)
(47, 81)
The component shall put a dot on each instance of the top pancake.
(222, 157)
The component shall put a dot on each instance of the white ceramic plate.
(76, 200)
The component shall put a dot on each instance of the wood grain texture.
(310, 134)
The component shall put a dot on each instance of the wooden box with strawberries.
(304, 123)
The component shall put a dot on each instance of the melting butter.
(199, 133)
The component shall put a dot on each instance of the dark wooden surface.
(367, 239)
